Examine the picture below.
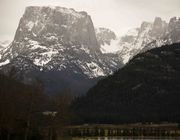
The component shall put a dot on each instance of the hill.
(145, 90)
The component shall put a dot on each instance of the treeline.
(26, 113)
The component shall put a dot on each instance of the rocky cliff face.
(57, 44)
(57, 24)
(3, 45)
(150, 35)
(47, 26)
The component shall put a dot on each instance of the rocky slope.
(148, 36)
(58, 46)
(145, 90)
(3, 45)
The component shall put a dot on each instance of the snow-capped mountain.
(3, 45)
(107, 39)
(61, 48)
(105, 36)
(57, 44)
(125, 44)
(148, 36)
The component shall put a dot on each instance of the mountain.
(107, 40)
(105, 36)
(148, 36)
(126, 44)
(59, 47)
(3, 45)
(145, 90)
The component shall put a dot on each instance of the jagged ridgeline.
(58, 46)
(145, 90)
(61, 48)
(149, 35)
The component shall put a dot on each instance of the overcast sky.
(118, 15)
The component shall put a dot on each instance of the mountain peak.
(145, 24)
(48, 9)
(60, 42)
(174, 23)
(158, 28)
(173, 19)
(52, 25)
(158, 21)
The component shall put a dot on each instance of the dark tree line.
(23, 110)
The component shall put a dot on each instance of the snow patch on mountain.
(45, 57)
(30, 25)
(85, 49)
(4, 63)
(126, 58)
(96, 70)
(35, 45)
(113, 47)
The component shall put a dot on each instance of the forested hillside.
(145, 90)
